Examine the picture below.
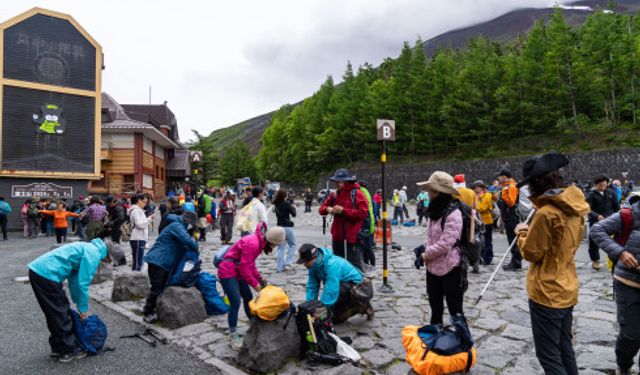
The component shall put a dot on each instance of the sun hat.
(342, 174)
(442, 182)
(275, 235)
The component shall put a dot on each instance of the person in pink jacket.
(445, 277)
(237, 272)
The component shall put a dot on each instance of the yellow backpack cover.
(269, 303)
(433, 363)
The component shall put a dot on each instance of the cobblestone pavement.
(500, 323)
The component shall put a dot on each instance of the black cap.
(541, 165)
(306, 252)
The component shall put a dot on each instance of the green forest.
(557, 84)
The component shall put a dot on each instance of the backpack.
(125, 230)
(32, 211)
(244, 218)
(91, 332)
(627, 227)
(270, 303)
(187, 271)
(440, 349)
(5, 209)
(313, 321)
(469, 238)
(213, 303)
(219, 255)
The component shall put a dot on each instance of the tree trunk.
(613, 90)
(574, 107)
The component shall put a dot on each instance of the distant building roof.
(155, 114)
(179, 166)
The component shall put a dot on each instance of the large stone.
(178, 307)
(103, 273)
(130, 285)
(268, 345)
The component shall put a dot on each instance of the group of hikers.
(548, 241)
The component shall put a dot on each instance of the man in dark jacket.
(117, 216)
(604, 203)
(349, 208)
(167, 251)
(626, 281)
(308, 200)
(202, 217)
(171, 207)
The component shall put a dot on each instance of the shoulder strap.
(455, 205)
(627, 225)
(353, 198)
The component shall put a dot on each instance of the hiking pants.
(288, 246)
(552, 338)
(354, 253)
(398, 214)
(346, 306)
(137, 252)
(369, 257)
(33, 226)
(236, 289)
(516, 257)
(3, 226)
(158, 278)
(226, 227)
(487, 249)
(55, 306)
(307, 206)
(406, 211)
(628, 306)
(449, 286)
(594, 250)
(61, 235)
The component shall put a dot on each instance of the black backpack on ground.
(320, 317)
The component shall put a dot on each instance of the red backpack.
(627, 226)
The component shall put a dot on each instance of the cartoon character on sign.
(49, 120)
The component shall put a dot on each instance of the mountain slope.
(502, 29)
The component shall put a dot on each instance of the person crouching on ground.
(237, 272)
(60, 222)
(445, 277)
(339, 278)
(164, 256)
(549, 243)
(626, 279)
(76, 262)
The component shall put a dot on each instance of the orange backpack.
(433, 363)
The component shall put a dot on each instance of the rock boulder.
(130, 285)
(178, 307)
(267, 346)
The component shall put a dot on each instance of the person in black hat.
(338, 278)
(350, 208)
(549, 243)
(604, 203)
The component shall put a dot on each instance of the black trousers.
(552, 339)
(307, 206)
(516, 257)
(346, 306)
(628, 307)
(55, 306)
(354, 253)
(594, 250)
(226, 227)
(3, 226)
(61, 235)
(369, 257)
(449, 287)
(158, 278)
(116, 233)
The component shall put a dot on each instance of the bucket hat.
(342, 174)
(541, 165)
(440, 181)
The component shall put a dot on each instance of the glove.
(263, 283)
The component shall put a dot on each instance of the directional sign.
(386, 130)
(196, 156)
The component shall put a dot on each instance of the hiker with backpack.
(29, 213)
(345, 290)
(139, 229)
(76, 262)
(284, 212)
(252, 213)
(117, 216)
(550, 243)
(5, 210)
(165, 254)
(603, 203)
(367, 230)
(60, 222)
(442, 254)
(349, 208)
(508, 204)
(484, 204)
(227, 212)
(624, 250)
(237, 272)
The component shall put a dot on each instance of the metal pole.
(385, 288)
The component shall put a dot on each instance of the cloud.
(218, 63)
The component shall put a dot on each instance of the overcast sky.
(221, 62)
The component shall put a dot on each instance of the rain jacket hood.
(571, 200)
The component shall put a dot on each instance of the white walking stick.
(513, 243)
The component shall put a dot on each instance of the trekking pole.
(324, 231)
(513, 243)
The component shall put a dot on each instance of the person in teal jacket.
(76, 262)
(339, 277)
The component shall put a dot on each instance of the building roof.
(179, 166)
(155, 114)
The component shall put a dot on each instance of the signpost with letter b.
(386, 133)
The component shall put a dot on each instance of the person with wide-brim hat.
(442, 256)
(549, 243)
(349, 208)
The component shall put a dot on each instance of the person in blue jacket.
(76, 262)
(163, 258)
(339, 277)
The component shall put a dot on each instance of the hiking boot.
(151, 318)
(512, 267)
(76, 354)
(475, 269)
(370, 313)
(596, 265)
(235, 341)
(622, 371)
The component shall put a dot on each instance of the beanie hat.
(275, 235)
(459, 178)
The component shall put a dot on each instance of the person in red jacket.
(349, 208)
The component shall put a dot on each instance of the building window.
(147, 145)
(147, 181)
(159, 152)
(162, 174)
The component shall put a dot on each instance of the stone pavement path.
(500, 323)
